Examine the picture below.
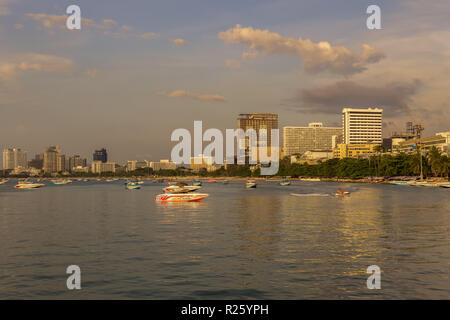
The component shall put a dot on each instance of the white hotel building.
(362, 126)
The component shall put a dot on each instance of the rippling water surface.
(237, 244)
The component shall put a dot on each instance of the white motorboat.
(251, 184)
(180, 188)
(444, 184)
(28, 185)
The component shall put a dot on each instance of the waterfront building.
(51, 159)
(14, 158)
(202, 163)
(298, 140)
(80, 169)
(312, 156)
(163, 165)
(258, 121)
(100, 155)
(136, 164)
(362, 126)
(355, 150)
(441, 141)
(100, 167)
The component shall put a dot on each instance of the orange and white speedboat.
(181, 192)
(181, 197)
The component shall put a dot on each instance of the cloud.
(110, 22)
(148, 35)
(199, 97)
(91, 73)
(59, 21)
(34, 62)
(332, 98)
(4, 10)
(180, 42)
(233, 64)
(127, 28)
(249, 55)
(317, 57)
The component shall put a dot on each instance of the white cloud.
(180, 42)
(249, 55)
(4, 10)
(148, 35)
(317, 57)
(34, 62)
(233, 64)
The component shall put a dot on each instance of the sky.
(139, 69)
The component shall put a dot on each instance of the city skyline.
(127, 80)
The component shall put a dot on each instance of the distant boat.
(212, 181)
(285, 183)
(342, 193)
(63, 181)
(250, 184)
(132, 186)
(28, 185)
(399, 182)
(3, 181)
(226, 181)
(311, 179)
(196, 183)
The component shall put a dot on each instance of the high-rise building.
(362, 126)
(76, 161)
(258, 121)
(314, 137)
(37, 162)
(100, 155)
(51, 159)
(14, 158)
(60, 163)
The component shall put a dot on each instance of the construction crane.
(413, 127)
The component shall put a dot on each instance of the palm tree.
(435, 160)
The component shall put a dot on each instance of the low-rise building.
(441, 141)
(133, 165)
(354, 150)
(313, 156)
(163, 165)
(100, 167)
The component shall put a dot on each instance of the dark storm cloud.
(332, 98)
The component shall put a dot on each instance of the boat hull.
(181, 197)
(29, 186)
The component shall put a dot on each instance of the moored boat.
(132, 186)
(62, 181)
(4, 181)
(181, 197)
(28, 185)
(251, 184)
(180, 188)
(285, 182)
